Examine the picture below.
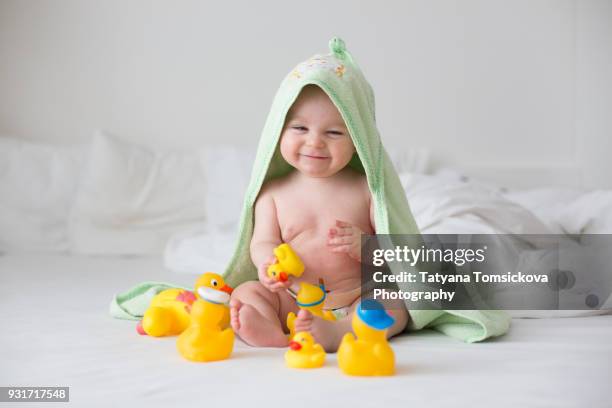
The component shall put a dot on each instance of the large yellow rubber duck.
(304, 352)
(312, 298)
(169, 311)
(370, 353)
(288, 263)
(207, 338)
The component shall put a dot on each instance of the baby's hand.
(270, 283)
(345, 237)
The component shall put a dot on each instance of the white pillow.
(37, 186)
(131, 199)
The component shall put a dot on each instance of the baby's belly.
(339, 271)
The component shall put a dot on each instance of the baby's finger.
(278, 286)
(342, 248)
(347, 239)
(267, 281)
(343, 224)
(342, 231)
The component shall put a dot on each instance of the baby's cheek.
(287, 149)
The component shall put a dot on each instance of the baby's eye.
(300, 128)
(335, 133)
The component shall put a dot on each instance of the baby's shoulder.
(272, 187)
(357, 178)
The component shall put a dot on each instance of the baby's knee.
(249, 290)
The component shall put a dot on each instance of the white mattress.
(56, 331)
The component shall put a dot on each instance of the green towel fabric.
(465, 325)
(339, 76)
(131, 305)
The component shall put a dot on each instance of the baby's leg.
(255, 313)
(329, 334)
(398, 310)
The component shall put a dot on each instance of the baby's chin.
(316, 170)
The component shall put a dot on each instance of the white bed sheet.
(56, 331)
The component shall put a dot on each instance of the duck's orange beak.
(227, 289)
(294, 345)
(283, 277)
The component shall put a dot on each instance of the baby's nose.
(315, 139)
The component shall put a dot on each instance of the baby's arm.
(266, 237)
(266, 232)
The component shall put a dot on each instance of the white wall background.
(519, 88)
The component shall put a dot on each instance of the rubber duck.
(288, 263)
(370, 353)
(312, 298)
(304, 352)
(206, 338)
(169, 311)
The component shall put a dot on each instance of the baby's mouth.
(314, 156)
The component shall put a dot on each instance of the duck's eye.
(273, 273)
(302, 339)
(214, 282)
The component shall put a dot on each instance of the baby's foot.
(303, 322)
(327, 334)
(253, 328)
(235, 306)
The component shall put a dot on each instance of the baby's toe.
(303, 322)
(235, 306)
(303, 326)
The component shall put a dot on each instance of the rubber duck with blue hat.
(367, 352)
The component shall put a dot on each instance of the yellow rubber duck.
(304, 352)
(312, 298)
(169, 311)
(207, 338)
(370, 353)
(287, 263)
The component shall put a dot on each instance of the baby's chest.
(316, 213)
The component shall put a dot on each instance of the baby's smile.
(314, 156)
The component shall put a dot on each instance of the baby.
(320, 209)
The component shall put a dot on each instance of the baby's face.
(315, 139)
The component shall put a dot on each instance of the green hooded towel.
(339, 76)
(341, 79)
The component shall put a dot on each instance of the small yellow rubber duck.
(312, 298)
(207, 338)
(304, 352)
(287, 263)
(370, 353)
(169, 311)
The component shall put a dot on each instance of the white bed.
(57, 332)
